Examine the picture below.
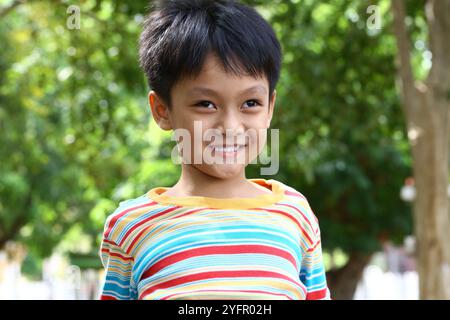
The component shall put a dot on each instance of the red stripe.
(290, 217)
(299, 211)
(226, 291)
(110, 242)
(106, 297)
(118, 216)
(315, 295)
(117, 255)
(314, 247)
(189, 212)
(195, 252)
(144, 221)
(294, 194)
(215, 274)
(137, 237)
(298, 195)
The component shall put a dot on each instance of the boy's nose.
(231, 123)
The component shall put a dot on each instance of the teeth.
(227, 149)
(232, 149)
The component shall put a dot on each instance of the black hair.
(178, 34)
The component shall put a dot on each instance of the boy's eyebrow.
(204, 90)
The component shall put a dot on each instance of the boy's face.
(235, 109)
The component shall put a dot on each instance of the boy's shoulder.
(119, 223)
(296, 200)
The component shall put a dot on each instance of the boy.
(214, 234)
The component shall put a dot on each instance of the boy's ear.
(271, 107)
(159, 110)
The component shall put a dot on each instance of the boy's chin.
(222, 171)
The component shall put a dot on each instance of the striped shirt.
(159, 247)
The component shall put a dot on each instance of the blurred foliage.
(32, 267)
(77, 137)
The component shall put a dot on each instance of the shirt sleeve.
(312, 272)
(117, 282)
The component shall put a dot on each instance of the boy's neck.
(194, 182)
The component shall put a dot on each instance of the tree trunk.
(426, 107)
(342, 282)
(430, 165)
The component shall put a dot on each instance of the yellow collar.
(157, 195)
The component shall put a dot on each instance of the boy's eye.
(205, 104)
(252, 103)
